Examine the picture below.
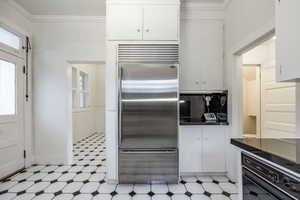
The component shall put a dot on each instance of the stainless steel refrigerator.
(148, 113)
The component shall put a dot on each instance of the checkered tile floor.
(85, 180)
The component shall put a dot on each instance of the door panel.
(161, 22)
(149, 104)
(11, 120)
(124, 26)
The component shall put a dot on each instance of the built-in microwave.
(203, 107)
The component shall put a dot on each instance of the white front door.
(11, 114)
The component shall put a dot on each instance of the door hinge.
(24, 154)
(24, 69)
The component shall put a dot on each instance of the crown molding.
(20, 9)
(54, 18)
(66, 18)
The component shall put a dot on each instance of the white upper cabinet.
(201, 55)
(142, 22)
(124, 22)
(161, 22)
(288, 41)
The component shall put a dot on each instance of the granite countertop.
(284, 152)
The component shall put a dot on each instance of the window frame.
(8, 49)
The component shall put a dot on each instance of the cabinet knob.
(147, 30)
(138, 30)
(204, 82)
(197, 82)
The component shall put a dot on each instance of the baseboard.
(203, 173)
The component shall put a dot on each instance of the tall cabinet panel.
(124, 22)
(201, 55)
(287, 42)
(161, 22)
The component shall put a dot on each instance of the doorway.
(88, 100)
(269, 107)
(12, 103)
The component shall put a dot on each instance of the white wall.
(90, 120)
(57, 42)
(243, 20)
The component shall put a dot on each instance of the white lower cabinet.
(213, 151)
(190, 149)
(202, 149)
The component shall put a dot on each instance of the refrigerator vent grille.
(148, 53)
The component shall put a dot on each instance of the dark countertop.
(198, 121)
(284, 152)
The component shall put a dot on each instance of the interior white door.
(161, 22)
(11, 114)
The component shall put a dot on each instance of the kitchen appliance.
(264, 181)
(148, 113)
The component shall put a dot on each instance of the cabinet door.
(201, 55)
(214, 149)
(124, 22)
(287, 42)
(190, 154)
(161, 22)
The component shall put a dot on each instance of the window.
(7, 88)
(9, 39)
(83, 90)
(74, 87)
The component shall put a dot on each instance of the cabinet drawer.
(148, 166)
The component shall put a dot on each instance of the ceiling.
(75, 7)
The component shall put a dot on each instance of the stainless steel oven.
(262, 181)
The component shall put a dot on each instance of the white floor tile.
(159, 188)
(124, 189)
(7, 196)
(90, 187)
(205, 178)
(200, 197)
(63, 168)
(27, 196)
(82, 177)
(194, 188)
(141, 197)
(55, 187)
(219, 197)
(229, 187)
(180, 197)
(141, 188)
(72, 187)
(212, 188)
(64, 197)
(107, 188)
(83, 197)
(44, 197)
(97, 177)
(89, 169)
(122, 197)
(75, 169)
(177, 188)
(66, 177)
(21, 186)
(51, 177)
(37, 176)
(38, 187)
(161, 197)
(35, 168)
(102, 197)
(7, 185)
(21, 176)
(49, 168)
(234, 197)
(189, 179)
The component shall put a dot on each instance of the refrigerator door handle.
(120, 103)
(149, 151)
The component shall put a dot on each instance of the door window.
(7, 88)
